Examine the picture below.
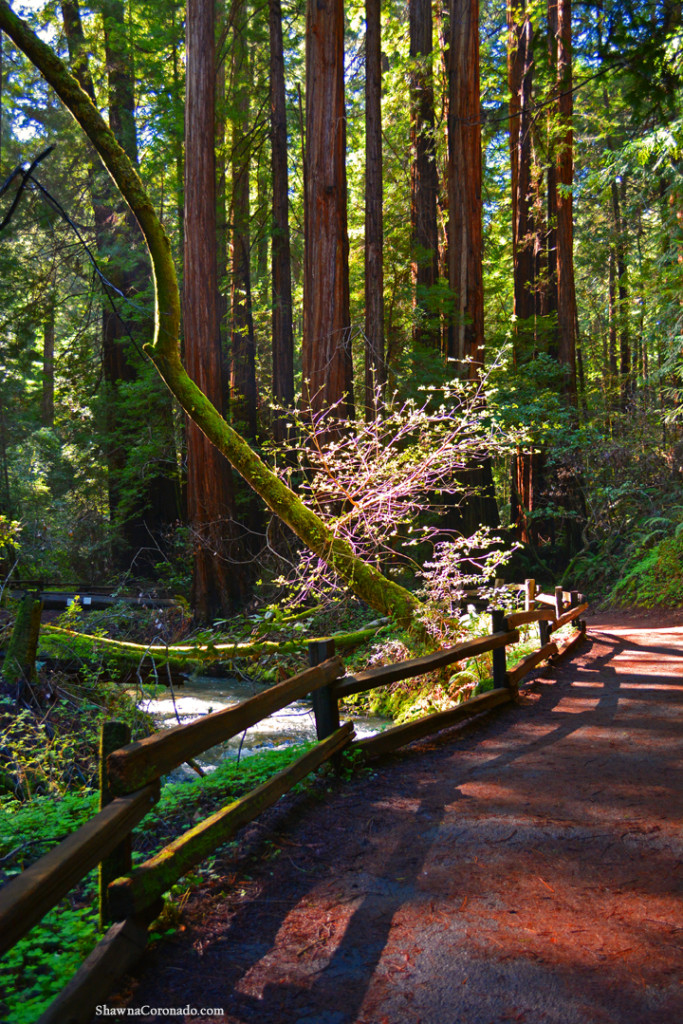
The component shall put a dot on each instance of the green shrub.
(656, 577)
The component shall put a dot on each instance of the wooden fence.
(130, 785)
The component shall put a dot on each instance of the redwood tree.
(526, 242)
(465, 241)
(327, 366)
(424, 178)
(242, 347)
(465, 279)
(375, 370)
(283, 335)
(210, 501)
(560, 188)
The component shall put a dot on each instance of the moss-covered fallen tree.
(58, 640)
(363, 579)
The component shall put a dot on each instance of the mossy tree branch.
(365, 581)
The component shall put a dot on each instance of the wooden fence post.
(325, 705)
(529, 595)
(119, 862)
(578, 598)
(544, 632)
(499, 624)
(559, 607)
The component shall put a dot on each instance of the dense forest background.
(376, 210)
(422, 260)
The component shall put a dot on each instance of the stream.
(202, 695)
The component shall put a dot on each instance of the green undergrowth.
(654, 576)
(434, 691)
(51, 748)
(38, 967)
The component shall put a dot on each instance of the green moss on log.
(20, 658)
(182, 655)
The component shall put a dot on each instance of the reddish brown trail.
(525, 868)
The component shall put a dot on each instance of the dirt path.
(527, 869)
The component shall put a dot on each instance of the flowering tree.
(384, 486)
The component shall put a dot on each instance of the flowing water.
(201, 695)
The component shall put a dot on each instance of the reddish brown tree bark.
(465, 242)
(551, 287)
(465, 280)
(424, 178)
(560, 183)
(283, 335)
(242, 345)
(524, 228)
(375, 370)
(327, 366)
(527, 246)
(209, 480)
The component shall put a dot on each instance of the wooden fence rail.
(132, 895)
(131, 776)
(385, 674)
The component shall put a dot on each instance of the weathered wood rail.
(130, 785)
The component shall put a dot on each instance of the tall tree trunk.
(560, 188)
(283, 335)
(613, 325)
(571, 496)
(209, 478)
(375, 370)
(327, 365)
(527, 246)
(465, 279)
(424, 178)
(621, 267)
(242, 345)
(221, 147)
(465, 250)
(525, 242)
(120, 77)
(178, 140)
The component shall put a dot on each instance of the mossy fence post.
(120, 861)
(325, 705)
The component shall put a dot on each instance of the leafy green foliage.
(655, 574)
(34, 971)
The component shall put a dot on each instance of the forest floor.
(525, 868)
